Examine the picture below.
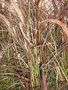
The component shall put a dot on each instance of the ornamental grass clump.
(39, 39)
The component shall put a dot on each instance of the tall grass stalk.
(31, 29)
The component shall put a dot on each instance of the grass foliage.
(33, 45)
